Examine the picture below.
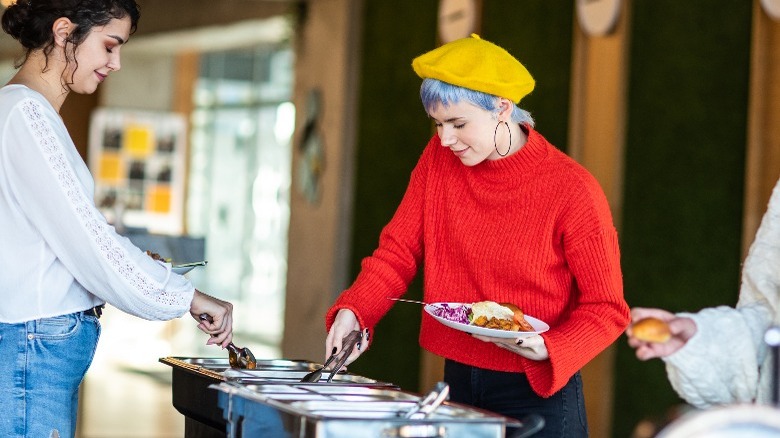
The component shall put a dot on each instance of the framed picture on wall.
(138, 161)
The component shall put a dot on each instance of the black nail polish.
(333, 351)
(358, 345)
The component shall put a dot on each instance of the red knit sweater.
(533, 229)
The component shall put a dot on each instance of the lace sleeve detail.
(87, 215)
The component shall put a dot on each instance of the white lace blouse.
(58, 254)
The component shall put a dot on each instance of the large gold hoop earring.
(495, 145)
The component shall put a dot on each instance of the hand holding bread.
(658, 333)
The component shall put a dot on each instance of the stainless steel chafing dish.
(191, 378)
(271, 401)
(345, 412)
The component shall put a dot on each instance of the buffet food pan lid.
(261, 376)
(220, 364)
(388, 409)
(366, 404)
(268, 372)
(350, 393)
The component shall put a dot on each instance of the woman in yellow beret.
(494, 212)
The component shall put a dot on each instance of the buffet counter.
(271, 401)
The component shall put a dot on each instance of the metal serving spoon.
(237, 356)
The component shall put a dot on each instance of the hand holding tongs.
(347, 344)
(237, 356)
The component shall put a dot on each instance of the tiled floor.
(127, 391)
(118, 403)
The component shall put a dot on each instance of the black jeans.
(510, 394)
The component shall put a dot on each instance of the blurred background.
(274, 138)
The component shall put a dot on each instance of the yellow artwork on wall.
(158, 199)
(139, 140)
(138, 160)
(110, 169)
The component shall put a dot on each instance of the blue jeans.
(510, 394)
(43, 363)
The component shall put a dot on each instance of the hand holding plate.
(531, 347)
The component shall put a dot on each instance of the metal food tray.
(192, 376)
(317, 392)
(270, 401)
(191, 396)
(260, 376)
(218, 365)
(351, 412)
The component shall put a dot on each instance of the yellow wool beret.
(476, 64)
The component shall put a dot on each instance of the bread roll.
(651, 330)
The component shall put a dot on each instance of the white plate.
(538, 325)
(181, 270)
(186, 267)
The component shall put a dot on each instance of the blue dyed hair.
(434, 92)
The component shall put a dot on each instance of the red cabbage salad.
(460, 313)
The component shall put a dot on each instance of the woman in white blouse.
(60, 261)
(718, 356)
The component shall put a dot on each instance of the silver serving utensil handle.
(404, 300)
(772, 339)
(407, 301)
(528, 426)
(187, 265)
(430, 402)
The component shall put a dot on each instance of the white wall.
(144, 83)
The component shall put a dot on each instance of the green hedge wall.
(684, 175)
(392, 131)
(539, 34)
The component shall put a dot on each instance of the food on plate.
(492, 315)
(459, 313)
(504, 316)
(487, 314)
(651, 330)
(518, 319)
(156, 256)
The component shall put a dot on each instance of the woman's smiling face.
(97, 56)
(467, 130)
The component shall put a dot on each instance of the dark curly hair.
(30, 21)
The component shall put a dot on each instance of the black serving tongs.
(238, 357)
(347, 344)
